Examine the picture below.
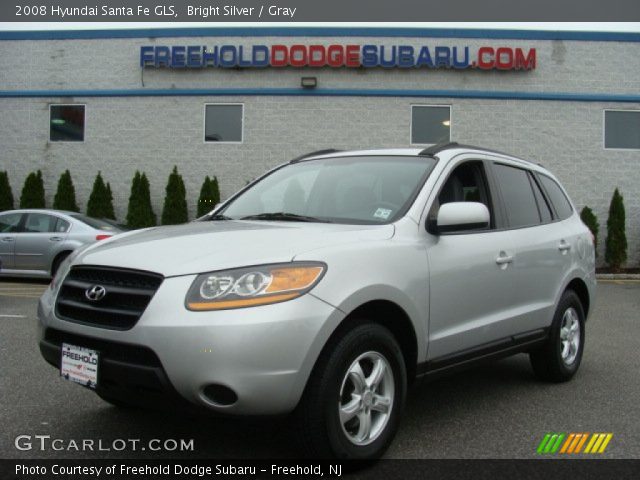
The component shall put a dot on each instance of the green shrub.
(591, 221)
(97, 204)
(616, 243)
(6, 195)
(140, 212)
(33, 191)
(175, 202)
(215, 188)
(209, 196)
(65, 198)
(109, 211)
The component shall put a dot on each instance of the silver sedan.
(33, 243)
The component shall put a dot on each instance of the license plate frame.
(79, 364)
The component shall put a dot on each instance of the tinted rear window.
(557, 197)
(517, 195)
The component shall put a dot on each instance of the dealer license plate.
(79, 365)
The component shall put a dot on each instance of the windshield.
(362, 190)
(97, 223)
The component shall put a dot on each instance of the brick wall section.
(154, 133)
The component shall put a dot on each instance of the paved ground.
(495, 411)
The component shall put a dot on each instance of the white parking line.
(4, 315)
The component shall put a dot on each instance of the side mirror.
(461, 216)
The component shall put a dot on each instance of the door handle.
(7, 239)
(504, 260)
(55, 239)
(564, 247)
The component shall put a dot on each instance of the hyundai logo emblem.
(95, 293)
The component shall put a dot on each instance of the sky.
(564, 26)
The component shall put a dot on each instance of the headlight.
(252, 286)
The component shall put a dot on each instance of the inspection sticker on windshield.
(382, 213)
(79, 365)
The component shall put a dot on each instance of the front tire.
(355, 395)
(559, 359)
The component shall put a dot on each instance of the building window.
(223, 122)
(66, 123)
(622, 129)
(430, 124)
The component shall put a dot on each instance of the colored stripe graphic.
(551, 443)
(573, 443)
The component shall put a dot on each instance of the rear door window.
(39, 223)
(517, 195)
(558, 198)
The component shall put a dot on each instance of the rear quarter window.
(557, 197)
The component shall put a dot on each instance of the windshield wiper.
(284, 217)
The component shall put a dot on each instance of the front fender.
(392, 270)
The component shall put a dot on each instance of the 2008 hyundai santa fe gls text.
(327, 286)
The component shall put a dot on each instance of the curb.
(618, 276)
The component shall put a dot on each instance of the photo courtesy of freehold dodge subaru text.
(326, 287)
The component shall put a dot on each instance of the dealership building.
(234, 102)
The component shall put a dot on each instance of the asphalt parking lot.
(493, 411)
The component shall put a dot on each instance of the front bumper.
(264, 354)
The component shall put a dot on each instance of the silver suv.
(326, 287)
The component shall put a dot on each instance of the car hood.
(214, 245)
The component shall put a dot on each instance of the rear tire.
(354, 397)
(559, 359)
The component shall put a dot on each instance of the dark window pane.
(545, 211)
(39, 223)
(622, 129)
(223, 123)
(557, 197)
(430, 124)
(9, 222)
(66, 123)
(517, 196)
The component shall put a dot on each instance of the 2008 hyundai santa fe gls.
(327, 286)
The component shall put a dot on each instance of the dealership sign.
(336, 55)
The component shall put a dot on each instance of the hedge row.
(100, 205)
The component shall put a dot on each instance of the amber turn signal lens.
(296, 278)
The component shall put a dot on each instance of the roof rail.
(314, 154)
(434, 149)
(438, 147)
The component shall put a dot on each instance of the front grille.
(128, 292)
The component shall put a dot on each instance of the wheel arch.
(582, 291)
(391, 316)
